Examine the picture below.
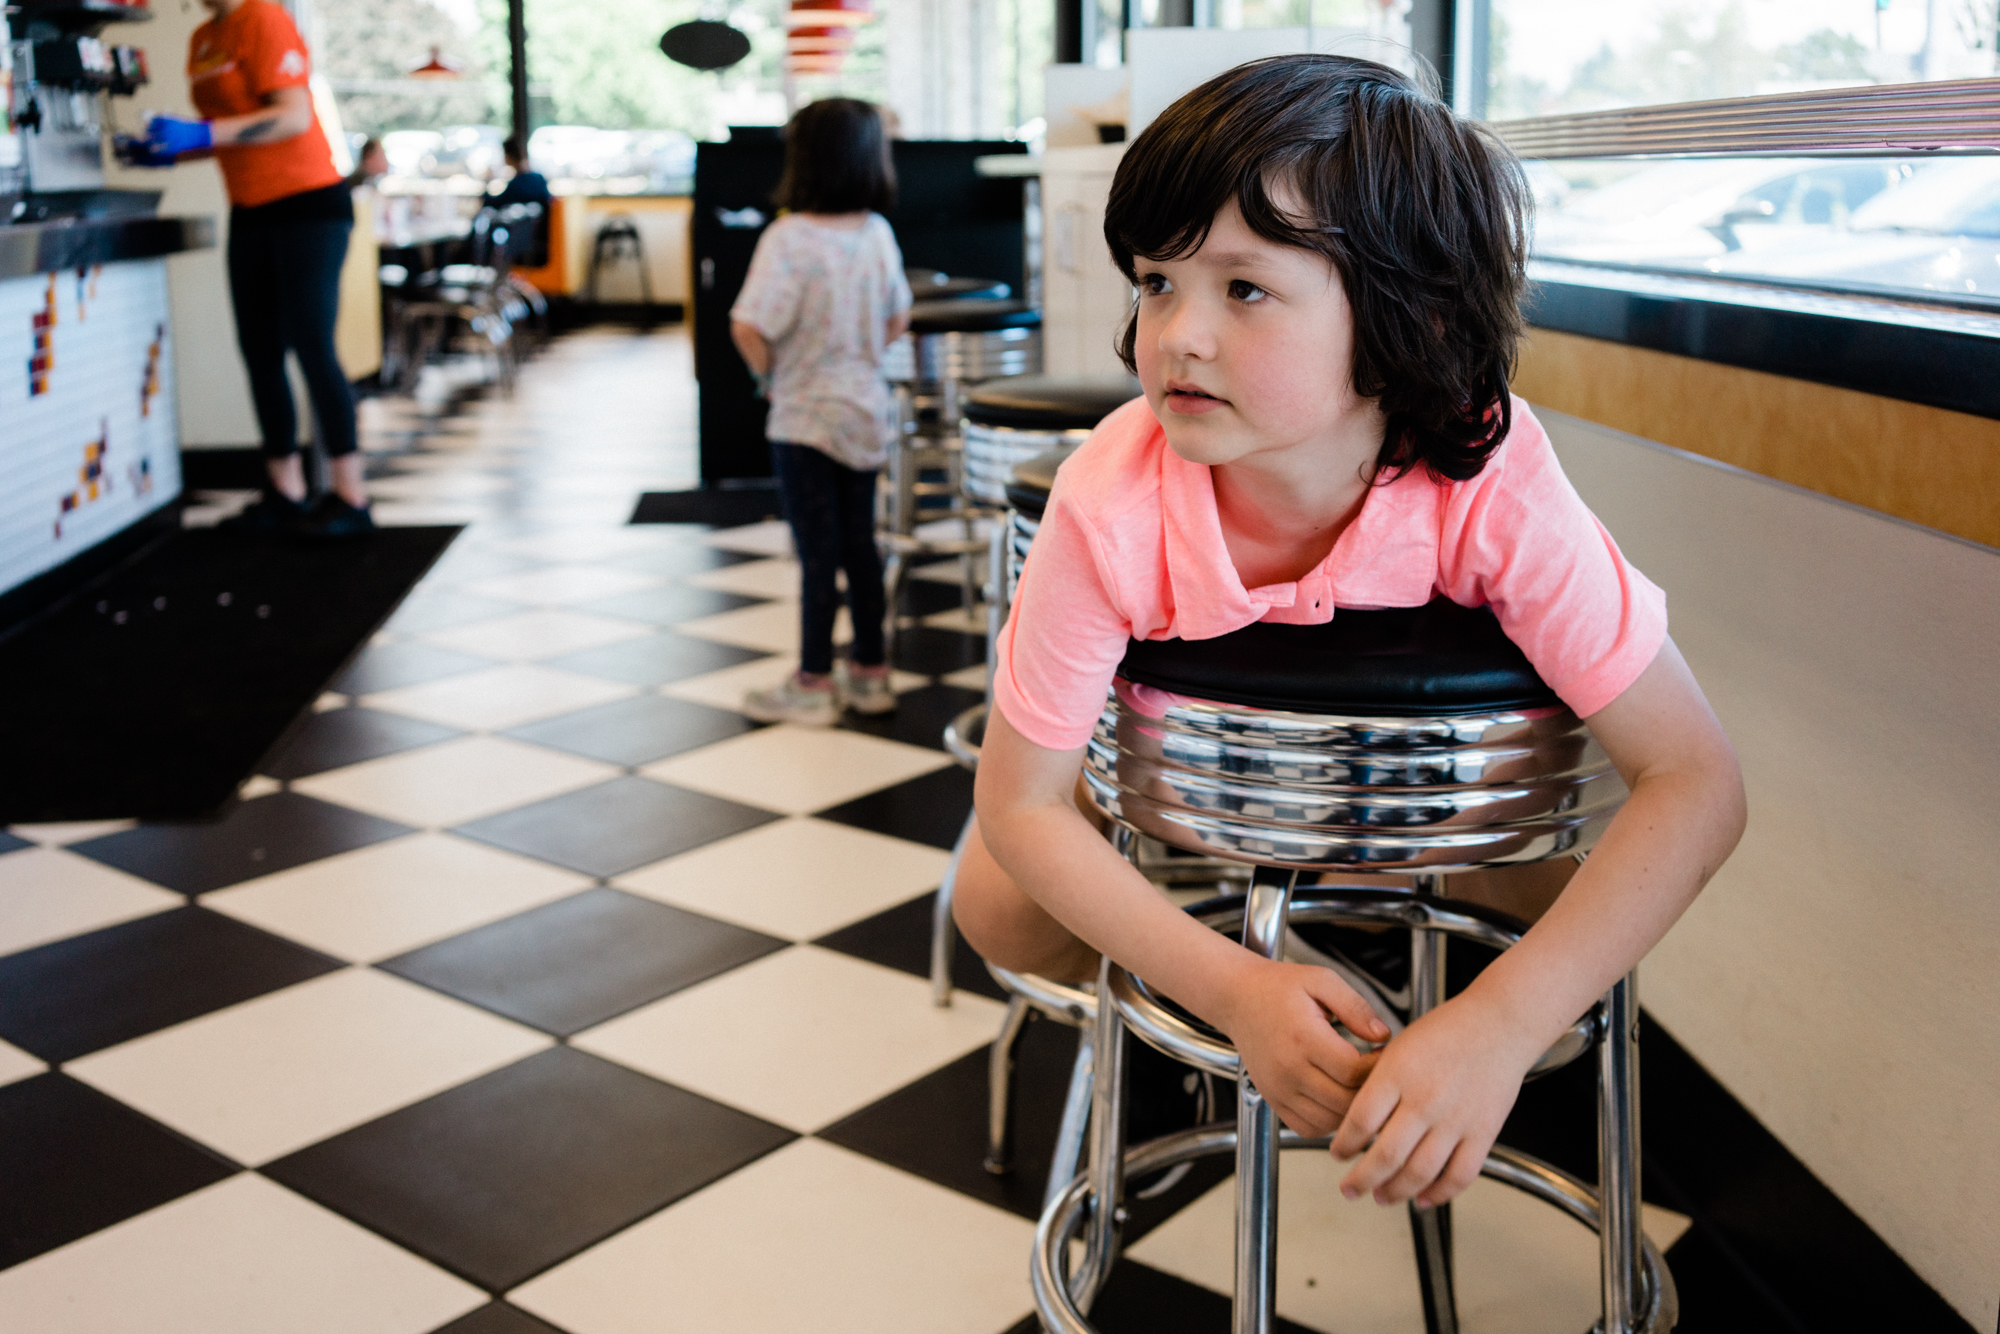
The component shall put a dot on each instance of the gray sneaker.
(869, 693)
(790, 702)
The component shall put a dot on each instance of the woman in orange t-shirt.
(289, 221)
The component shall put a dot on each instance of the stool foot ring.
(1064, 1216)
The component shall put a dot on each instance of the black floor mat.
(725, 507)
(154, 692)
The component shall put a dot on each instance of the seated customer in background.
(526, 186)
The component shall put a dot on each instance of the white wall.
(944, 68)
(1841, 975)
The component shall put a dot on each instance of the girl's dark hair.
(1424, 215)
(837, 160)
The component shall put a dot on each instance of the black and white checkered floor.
(531, 987)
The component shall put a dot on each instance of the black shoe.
(332, 517)
(270, 513)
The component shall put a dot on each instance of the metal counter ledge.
(50, 247)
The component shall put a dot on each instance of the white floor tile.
(536, 634)
(797, 769)
(68, 831)
(770, 626)
(457, 484)
(588, 544)
(391, 897)
(244, 1256)
(811, 1237)
(258, 785)
(772, 537)
(499, 697)
(967, 678)
(1349, 1267)
(801, 1037)
(725, 689)
(424, 513)
(329, 700)
(274, 1074)
(455, 781)
(752, 579)
(47, 894)
(564, 583)
(959, 619)
(797, 879)
(17, 1064)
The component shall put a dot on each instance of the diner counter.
(50, 247)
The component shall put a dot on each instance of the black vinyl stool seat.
(1418, 741)
(932, 285)
(1008, 421)
(972, 315)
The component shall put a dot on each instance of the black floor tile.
(656, 659)
(70, 997)
(930, 651)
(667, 605)
(1142, 1300)
(402, 663)
(927, 597)
(502, 1177)
(440, 610)
(900, 938)
(9, 843)
(253, 838)
(930, 808)
(73, 1161)
(498, 1318)
(1718, 1295)
(578, 961)
(679, 560)
(335, 737)
(616, 826)
(920, 715)
(637, 730)
(936, 1127)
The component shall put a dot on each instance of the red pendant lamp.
(820, 33)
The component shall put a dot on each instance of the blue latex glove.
(140, 153)
(171, 136)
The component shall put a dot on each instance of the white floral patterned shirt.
(822, 297)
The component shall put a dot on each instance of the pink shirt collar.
(1388, 557)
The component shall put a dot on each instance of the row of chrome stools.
(1402, 745)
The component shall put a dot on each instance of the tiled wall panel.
(87, 415)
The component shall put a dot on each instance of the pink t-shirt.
(1131, 548)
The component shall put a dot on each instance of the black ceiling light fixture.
(705, 44)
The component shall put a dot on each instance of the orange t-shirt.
(233, 63)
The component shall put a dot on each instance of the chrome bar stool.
(1026, 496)
(1412, 741)
(952, 345)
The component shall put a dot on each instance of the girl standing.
(825, 294)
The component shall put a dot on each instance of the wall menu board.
(88, 442)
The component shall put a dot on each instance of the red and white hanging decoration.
(820, 33)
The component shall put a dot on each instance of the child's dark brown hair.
(837, 159)
(1424, 215)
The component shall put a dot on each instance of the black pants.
(284, 280)
(832, 512)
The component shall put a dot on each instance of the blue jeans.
(831, 509)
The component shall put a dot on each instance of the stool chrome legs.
(1264, 918)
(1430, 1229)
(1075, 1123)
(1107, 1149)
(1000, 1086)
(1618, 1155)
(944, 936)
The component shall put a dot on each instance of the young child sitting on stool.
(1329, 265)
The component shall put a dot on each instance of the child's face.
(1246, 347)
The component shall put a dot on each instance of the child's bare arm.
(1276, 1012)
(1440, 1091)
(755, 350)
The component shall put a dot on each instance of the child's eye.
(1154, 284)
(1245, 291)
